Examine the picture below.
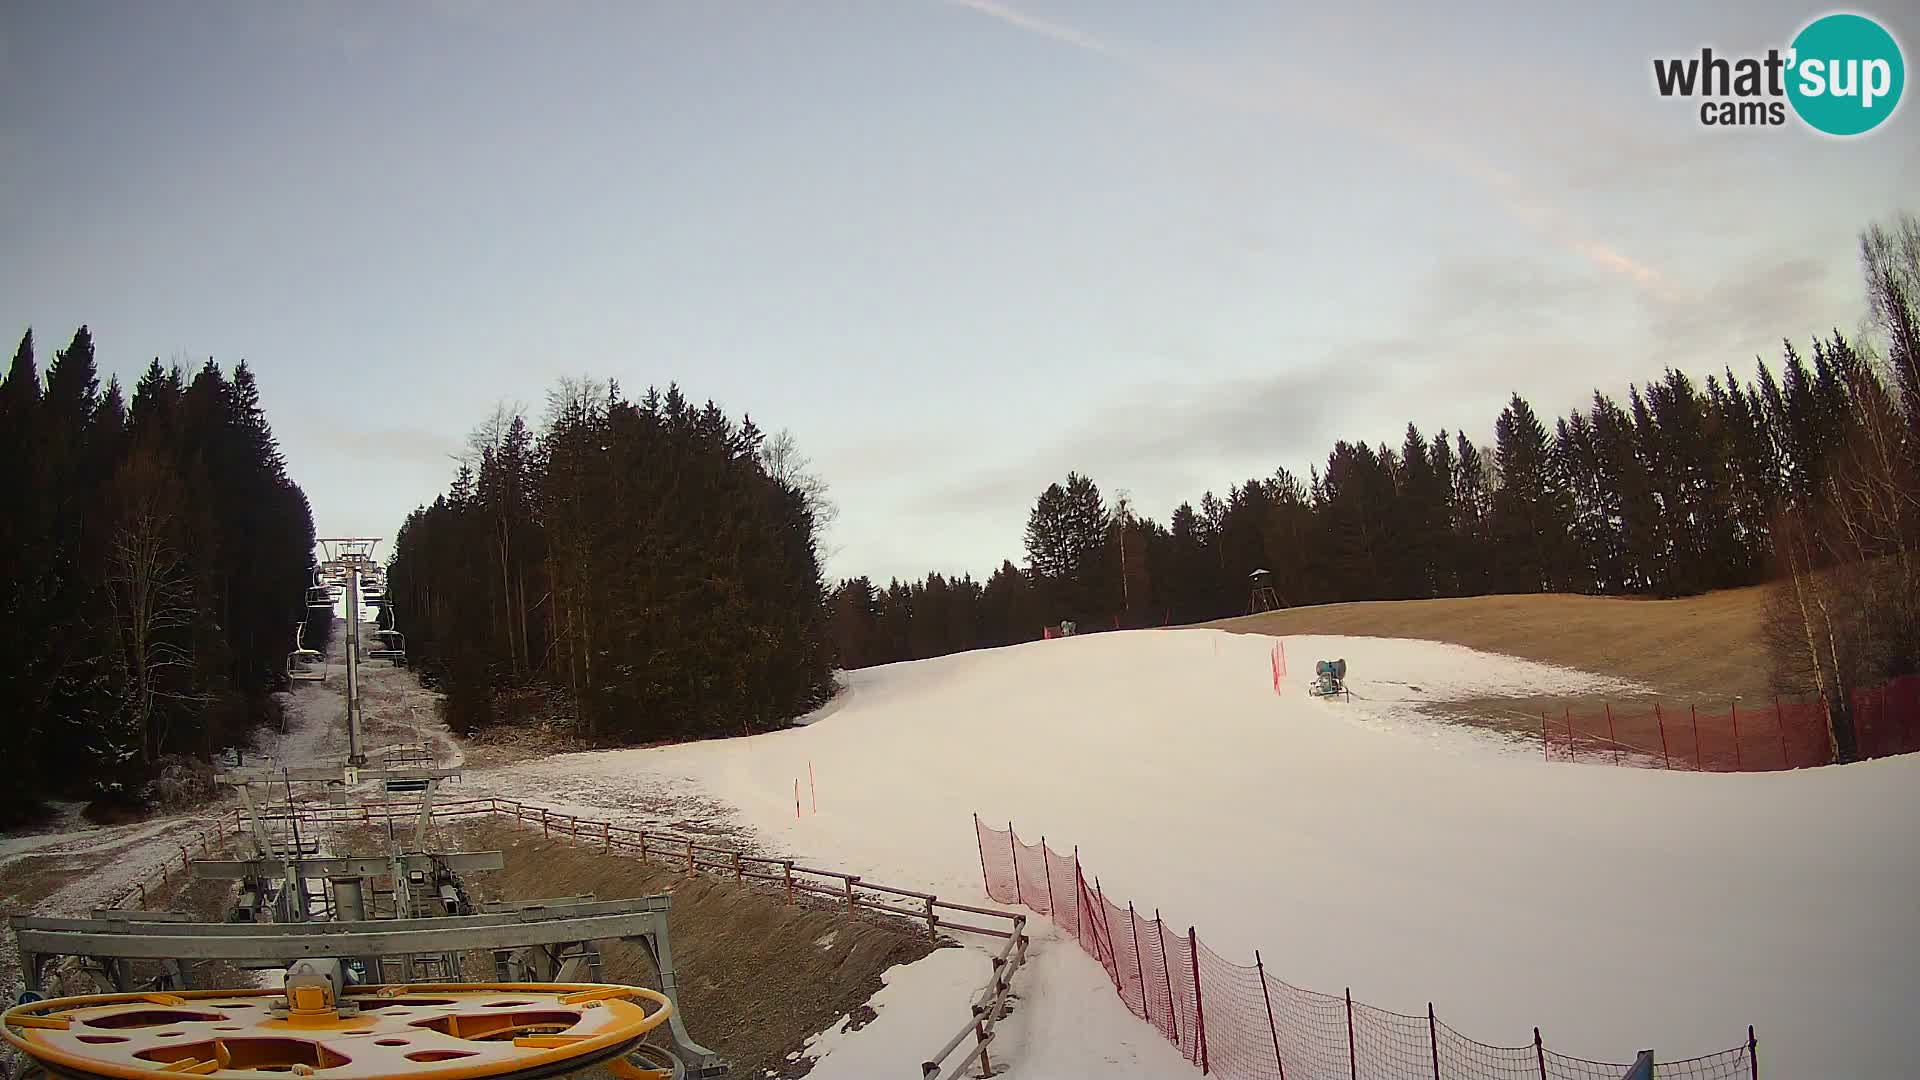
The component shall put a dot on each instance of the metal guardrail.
(292, 941)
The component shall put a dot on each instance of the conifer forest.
(651, 568)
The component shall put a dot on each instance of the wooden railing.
(852, 891)
(988, 1011)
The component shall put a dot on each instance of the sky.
(956, 247)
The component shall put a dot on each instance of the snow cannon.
(1329, 680)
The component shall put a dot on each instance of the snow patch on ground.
(920, 1004)
(1400, 671)
(1354, 843)
(101, 864)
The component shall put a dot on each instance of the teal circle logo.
(1846, 74)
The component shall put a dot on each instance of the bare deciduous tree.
(1845, 613)
(150, 590)
(780, 455)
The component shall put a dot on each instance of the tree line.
(1670, 493)
(1682, 486)
(652, 561)
(157, 556)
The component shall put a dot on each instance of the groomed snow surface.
(1356, 844)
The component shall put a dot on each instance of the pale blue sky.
(957, 248)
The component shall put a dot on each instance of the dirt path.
(73, 873)
(394, 709)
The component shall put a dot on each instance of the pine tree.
(1423, 524)
(1445, 468)
(1066, 536)
(1532, 508)
(1473, 513)
(1594, 531)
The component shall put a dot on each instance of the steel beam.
(494, 907)
(256, 774)
(293, 941)
(460, 862)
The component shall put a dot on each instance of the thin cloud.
(1529, 206)
(1043, 27)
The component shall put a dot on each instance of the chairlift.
(318, 595)
(304, 664)
(392, 646)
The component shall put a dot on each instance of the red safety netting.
(1887, 719)
(1775, 735)
(1066, 901)
(1240, 1021)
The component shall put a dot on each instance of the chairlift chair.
(304, 664)
(318, 594)
(393, 646)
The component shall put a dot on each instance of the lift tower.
(347, 558)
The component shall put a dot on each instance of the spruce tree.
(1532, 508)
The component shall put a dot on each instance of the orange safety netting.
(1236, 1020)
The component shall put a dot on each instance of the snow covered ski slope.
(1355, 844)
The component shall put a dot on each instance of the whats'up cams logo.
(1842, 75)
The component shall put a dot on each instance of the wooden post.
(643, 845)
(786, 871)
(1013, 852)
(1353, 1056)
(576, 827)
(1133, 930)
(933, 922)
(1173, 1008)
(1079, 909)
(1699, 755)
(1660, 718)
(1611, 737)
(1100, 900)
(606, 834)
(986, 884)
(1199, 1009)
(1273, 1030)
(852, 907)
(1433, 1040)
(1738, 761)
(1753, 1054)
(543, 822)
(738, 878)
(1046, 864)
(689, 856)
(1540, 1053)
